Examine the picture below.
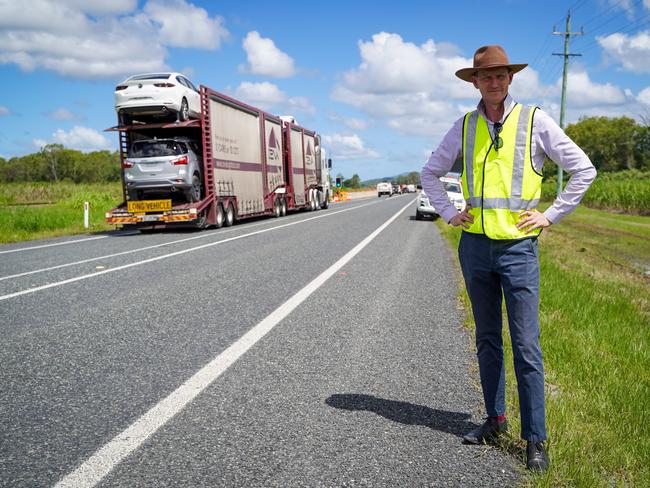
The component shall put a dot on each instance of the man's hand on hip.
(529, 220)
(464, 218)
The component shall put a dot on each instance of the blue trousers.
(494, 270)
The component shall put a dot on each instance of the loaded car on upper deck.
(157, 95)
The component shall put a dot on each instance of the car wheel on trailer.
(184, 112)
(230, 215)
(194, 193)
(221, 216)
(418, 215)
(125, 119)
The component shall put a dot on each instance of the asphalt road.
(318, 349)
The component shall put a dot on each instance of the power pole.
(567, 34)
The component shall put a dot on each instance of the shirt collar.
(509, 103)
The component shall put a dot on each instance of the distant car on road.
(454, 189)
(384, 188)
(396, 189)
(157, 94)
(163, 166)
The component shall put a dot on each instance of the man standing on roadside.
(503, 145)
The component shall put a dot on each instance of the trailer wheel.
(284, 207)
(220, 217)
(277, 208)
(230, 215)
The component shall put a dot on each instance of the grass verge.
(42, 210)
(595, 321)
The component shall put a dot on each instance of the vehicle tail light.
(126, 164)
(120, 87)
(164, 85)
(182, 160)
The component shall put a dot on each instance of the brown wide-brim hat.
(487, 57)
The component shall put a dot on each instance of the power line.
(624, 29)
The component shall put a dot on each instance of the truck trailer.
(252, 164)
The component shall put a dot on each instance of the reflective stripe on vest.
(499, 185)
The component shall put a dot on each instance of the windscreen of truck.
(148, 149)
(452, 187)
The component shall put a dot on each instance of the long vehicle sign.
(149, 206)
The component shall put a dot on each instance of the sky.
(375, 79)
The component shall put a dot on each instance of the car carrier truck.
(252, 164)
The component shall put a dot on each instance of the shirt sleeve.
(552, 140)
(439, 164)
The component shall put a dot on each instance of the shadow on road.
(455, 423)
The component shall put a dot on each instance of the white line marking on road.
(165, 256)
(95, 468)
(52, 245)
(139, 249)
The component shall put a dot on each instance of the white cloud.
(101, 7)
(64, 114)
(626, 5)
(346, 147)
(356, 124)
(4, 110)
(80, 138)
(633, 52)
(412, 88)
(184, 25)
(268, 96)
(264, 58)
(644, 95)
(583, 92)
(89, 40)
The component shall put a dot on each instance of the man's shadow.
(455, 423)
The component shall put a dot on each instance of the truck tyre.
(221, 217)
(201, 221)
(326, 201)
(277, 208)
(230, 215)
(284, 207)
(311, 201)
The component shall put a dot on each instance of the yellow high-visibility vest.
(500, 184)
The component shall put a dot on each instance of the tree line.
(56, 163)
(612, 144)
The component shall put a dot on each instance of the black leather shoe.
(488, 432)
(536, 458)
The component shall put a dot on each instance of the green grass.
(41, 210)
(625, 191)
(595, 321)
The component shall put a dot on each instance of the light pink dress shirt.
(548, 139)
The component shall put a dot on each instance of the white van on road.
(384, 188)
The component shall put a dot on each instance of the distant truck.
(384, 188)
(252, 164)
